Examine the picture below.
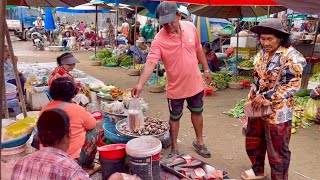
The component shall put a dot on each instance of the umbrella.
(305, 6)
(49, 22)
(233, 11)
(47, 3)
(204, 30)
(231, 2)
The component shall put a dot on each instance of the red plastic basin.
(97, 115)
(112, 151)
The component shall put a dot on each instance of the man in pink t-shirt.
(178, 46)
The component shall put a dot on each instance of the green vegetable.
(126, 61)
(110, 60)
(303, 92)
(221, 79)
(92, 58)
(238, 112)
(162, 81)
(104, 54)
(246, 64)
(315, 77)
(293, 130)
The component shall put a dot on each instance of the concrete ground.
(222, 134)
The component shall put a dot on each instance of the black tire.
(28, 35)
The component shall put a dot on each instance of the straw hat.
(269, 26)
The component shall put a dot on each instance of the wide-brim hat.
(69, 59)
(269, 26)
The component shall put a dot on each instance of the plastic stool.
(245, 83)
(207, 91)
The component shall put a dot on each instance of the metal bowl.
(56, 48)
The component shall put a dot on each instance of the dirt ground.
(222, 134)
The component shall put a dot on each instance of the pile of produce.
(110, 61)
(162, 81)
(104, 54)
(237, 112)
(238, 78)
(152, 126)
(126, 61)
(246, 64)
(139, 66)
(315, 77)
(221, 79)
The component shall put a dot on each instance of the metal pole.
(309, 59)
(16, 72)
(268, 12)
(95, 39)
(135, 31)
(3, 4)
(237, 53)
(117, 21)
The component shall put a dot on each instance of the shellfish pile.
(152, 126)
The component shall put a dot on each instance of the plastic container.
(111, 133)
(11, 95)
(32, 114)
(112, 151)
(109, 167)
(99, 117)
(15, 142)
(10, 156)
(144, 156)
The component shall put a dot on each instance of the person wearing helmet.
(39, 23)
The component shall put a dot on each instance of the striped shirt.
(48, 163)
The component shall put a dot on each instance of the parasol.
(204, 29)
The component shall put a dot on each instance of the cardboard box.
(244, 42)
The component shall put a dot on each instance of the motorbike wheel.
(28, 35)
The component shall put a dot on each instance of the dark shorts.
(195, 105)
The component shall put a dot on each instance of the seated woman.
(83, 135)
(52, 161)
(136, 53)
(8, 69)
(315, 94)
(65, 38)
(211, 58)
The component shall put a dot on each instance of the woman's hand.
(257, 102)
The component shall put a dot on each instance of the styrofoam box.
(244, 42)
(312, 85)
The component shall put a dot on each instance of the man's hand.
(135, 92)
(207, 77)
(257, 102)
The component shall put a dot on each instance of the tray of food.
(115, 108)
(152, 126)
(188, 167)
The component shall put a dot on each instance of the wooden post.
(3, 4)
(16, 72)
(96, 28)
(237, 53)
(135, 31)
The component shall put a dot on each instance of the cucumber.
(303, 92)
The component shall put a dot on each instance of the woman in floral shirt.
(272, 133)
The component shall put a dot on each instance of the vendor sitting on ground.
(8, 69)
(136, 53)
(83, 135)
(65, 38)
(66, 63)
(211, 57)
(54, 133)
(315, 94)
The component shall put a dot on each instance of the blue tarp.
(49, 21)
(222, 22)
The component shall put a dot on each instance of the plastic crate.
(111, 133)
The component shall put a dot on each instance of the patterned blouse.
(265, 75)
(8, 70)
(58, 72)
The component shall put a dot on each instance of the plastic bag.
(311, 109)
(135, 115)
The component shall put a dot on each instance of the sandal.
(250, 175)
(173, 153)
(201, 150)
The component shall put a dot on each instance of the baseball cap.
(167, 12)
(69, 59)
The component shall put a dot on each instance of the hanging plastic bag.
(312, 109)
(135, 115)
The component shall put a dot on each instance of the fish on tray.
(191, 164)
(176, 161)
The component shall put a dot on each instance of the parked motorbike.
(37, 40)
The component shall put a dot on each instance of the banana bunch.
(139, 66)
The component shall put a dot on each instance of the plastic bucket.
(112, 151)
(10, 156)
(144, 156)
(112, 166)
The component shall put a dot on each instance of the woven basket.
(95, 63)
(133, 72)
(156, 89)
(235, 85)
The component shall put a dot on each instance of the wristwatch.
(207, 71)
